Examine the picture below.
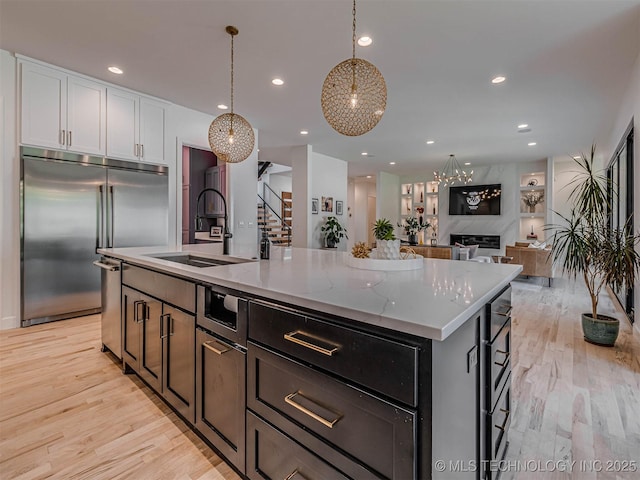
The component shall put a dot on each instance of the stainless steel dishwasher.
(111, 302)
(221, 347)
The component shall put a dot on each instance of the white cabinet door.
(44, 106)
(152, 130)
(123, 109)
(86, 116)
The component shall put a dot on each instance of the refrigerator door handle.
(110, 209)
(100, 219)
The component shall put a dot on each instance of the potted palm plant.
(587, 245)
(387, 245)
(333, 231)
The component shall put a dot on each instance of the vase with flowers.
(411, 228)
(531, 199)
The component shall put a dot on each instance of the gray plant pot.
(413, 239)
(331, 243)
(600, 331)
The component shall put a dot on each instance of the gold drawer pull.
(208, 346)
(506, 418)
(506, 313)
(293, 474)
(507, 355)
(327, 423)
(295, 338)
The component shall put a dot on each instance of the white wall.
(301, 196)
(630, 108)
(280, 182)
(363, 189)
(388, 198)
(328, 178)
(9, 196)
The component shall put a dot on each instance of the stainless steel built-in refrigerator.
(72, 205)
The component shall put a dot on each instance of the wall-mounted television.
(475, 199)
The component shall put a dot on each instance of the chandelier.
(452, 173)
(231, 137)
(354, 94)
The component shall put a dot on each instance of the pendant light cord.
(353, 51)
(232, 81)
(353, 39)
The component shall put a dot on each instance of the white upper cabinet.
(136, 127)
(62, 111)
(86, 116)
(123, 111)
(153, 123)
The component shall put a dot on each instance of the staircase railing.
(265, 204)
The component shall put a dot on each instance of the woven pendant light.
(231, 137)
(354, 94)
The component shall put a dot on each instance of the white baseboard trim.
(9, 322)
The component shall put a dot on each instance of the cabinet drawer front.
(274, 456)
(498, 422)
(499, 357)
(498, 312)
(175, 291)
(354, 355)
(377, 433)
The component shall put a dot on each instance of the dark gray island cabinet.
(284, 391)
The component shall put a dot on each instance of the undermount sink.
(196, 261)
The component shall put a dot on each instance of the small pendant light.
(230, 136)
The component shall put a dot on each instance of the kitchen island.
(303, 364)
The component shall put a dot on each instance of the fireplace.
(484, 241)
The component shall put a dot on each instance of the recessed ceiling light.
(392, 163)
(222, 106)
(304, 132)
(577, 157)
(277, 81)
(364, 154)
(430, 142)
(523, 125)
(467, 163)
(498, 79)
(532, 144)
(116, 70)
(368, 176)
(365, 41)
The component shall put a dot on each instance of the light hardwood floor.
(67, 412)
(572, 401)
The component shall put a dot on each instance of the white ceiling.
(567, 65)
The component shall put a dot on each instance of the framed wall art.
(327, 204)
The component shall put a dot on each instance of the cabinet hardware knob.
(506, 313)
(63, 137)
(69, 138)
(141, 150)
(327, 423)
(295, 337)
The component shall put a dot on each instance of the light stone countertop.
(431, 302)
